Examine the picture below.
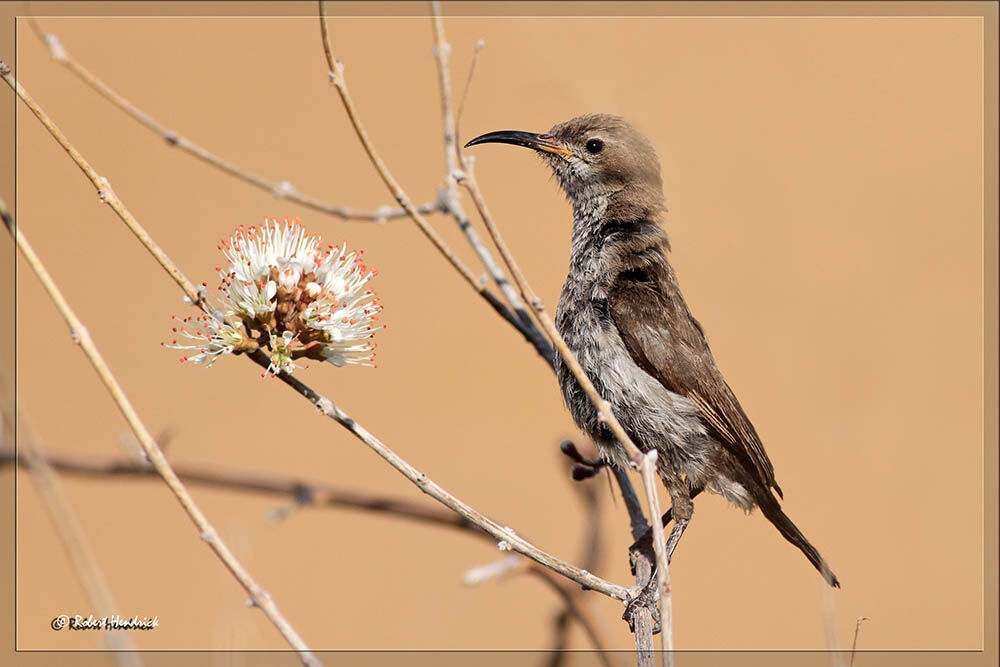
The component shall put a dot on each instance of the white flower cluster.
(290, 298)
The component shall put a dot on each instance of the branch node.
(106, 193)
(325, 405)
(382, 214)
(56, 50)
(282, 190)
(171, 138)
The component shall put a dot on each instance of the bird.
(622, 314)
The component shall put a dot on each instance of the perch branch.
(280, 190)
(81, 336)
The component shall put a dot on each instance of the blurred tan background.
(825, 183)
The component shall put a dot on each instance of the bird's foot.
(643, 597)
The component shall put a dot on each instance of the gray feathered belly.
(653, 416)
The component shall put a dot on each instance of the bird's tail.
(772, 510)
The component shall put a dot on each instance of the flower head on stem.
(288, 296)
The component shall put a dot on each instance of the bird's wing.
(668, 343)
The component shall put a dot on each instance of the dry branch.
(279, 189)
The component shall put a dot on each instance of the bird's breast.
(652, 415)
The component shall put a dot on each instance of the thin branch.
(509, 539)
(81, 336)
(310, 492)
(104, 190)
(644, 464)
(67, 526)
(279, 189)
(325, 405)
(465, 91)
(857, 631)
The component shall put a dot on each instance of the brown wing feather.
(668, 343)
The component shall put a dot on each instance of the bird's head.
(592, 155)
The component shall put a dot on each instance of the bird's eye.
(595, 146)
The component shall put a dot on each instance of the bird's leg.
(645, 542)
(681, 506)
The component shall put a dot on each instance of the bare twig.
(104, 190)
(465, 91)
(67, 526)
(81, 336)
(279, 189)
(314, 493)
(644, 464)
(857, 631)
(502, 533)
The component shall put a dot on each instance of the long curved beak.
(545, 143)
